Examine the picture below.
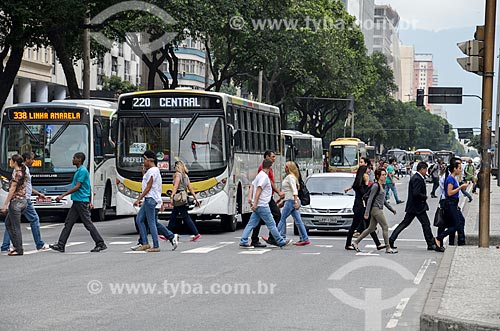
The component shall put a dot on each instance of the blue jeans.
(264, 213)
(289, 209)
(32, 217)
(391, 187)
(148, 213)
(183, 210)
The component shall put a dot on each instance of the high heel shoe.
(356, 247)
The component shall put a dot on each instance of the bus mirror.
(113, 132)
(234, 136)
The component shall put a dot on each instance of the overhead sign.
(465, 133)
(444, 95)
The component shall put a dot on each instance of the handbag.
(439, 218)
(180, 199)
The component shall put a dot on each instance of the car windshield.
(198, 141)
(53, 145)
(329, 185)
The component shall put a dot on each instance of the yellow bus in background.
(345, 153)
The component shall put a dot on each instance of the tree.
(118, 86)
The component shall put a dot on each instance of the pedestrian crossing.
(319, 245)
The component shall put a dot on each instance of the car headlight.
(306, 209)
(346, 211)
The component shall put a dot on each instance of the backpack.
(366, 196)
(304, 196)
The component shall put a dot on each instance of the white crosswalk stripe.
(207, 249)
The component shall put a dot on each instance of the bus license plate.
(45, 200)
(167, 205)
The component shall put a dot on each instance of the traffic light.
(475, 51)
(420, 97)
(446, 128)
(351, 103)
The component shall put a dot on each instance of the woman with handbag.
(16, 203)
(179, 199)
(452, 194)
(291, 204)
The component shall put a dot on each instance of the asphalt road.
(213, 284)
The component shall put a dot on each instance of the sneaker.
(162, 237)
(258, 244)
(134, 248)
(44, 247)
(175, 241)
(391, 251)
(57, 247)
(142, 248)
(153, 249)
(400, 202)
(198, 236)
(246, 245)
(286, 243)
(302, 243)
(470, 200)
(99, 248)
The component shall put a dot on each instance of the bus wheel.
(245, 218)
(295, 230)
(229, 222)
(99, 215)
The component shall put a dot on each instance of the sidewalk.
(465, 294)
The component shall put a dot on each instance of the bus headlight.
(128, 192)
(213, 190)
(5, 184)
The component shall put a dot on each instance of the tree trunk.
(8, 74)
(66, 60)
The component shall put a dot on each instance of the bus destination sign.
(139, 102)
(45, 115)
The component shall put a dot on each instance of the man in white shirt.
(261, 194)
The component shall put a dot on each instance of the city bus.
(371, 154)
(54, 132)
(446, 156)
(220, 138)
(305, 149)
(397, 154)
(345, 154)
(424, 154)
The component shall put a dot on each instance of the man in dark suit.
(416, 206)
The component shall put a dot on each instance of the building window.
(120, 49)
(114, 65)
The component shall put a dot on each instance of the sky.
(436, 26)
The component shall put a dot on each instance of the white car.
(330, 208)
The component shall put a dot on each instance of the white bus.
(54, 132)
(220, 138)
(305, 149)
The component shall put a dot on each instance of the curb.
(430, 319)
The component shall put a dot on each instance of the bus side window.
(98, 147)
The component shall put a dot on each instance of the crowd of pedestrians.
(372, 189)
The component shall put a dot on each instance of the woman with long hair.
(360, 187)
(452, 196)
(182, 183)
(16, 204)
(291, 204)
(374, 211)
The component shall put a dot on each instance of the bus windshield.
(52, 144)
(344, 156)
(198, 141)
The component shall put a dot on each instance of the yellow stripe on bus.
(197, 186)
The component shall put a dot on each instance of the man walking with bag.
(416, 206)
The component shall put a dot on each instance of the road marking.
(394, 227)
(49, 226)
(207, 249)
(135, 252)
(367, 254)
(393, 322)
(255, 251)
(311, 253)
(78, 253)
(121, 243)
(421, 272)
(324, 246)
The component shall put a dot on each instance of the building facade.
(386, 41)
(424, 76)
(364, 11)
(407, 53)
